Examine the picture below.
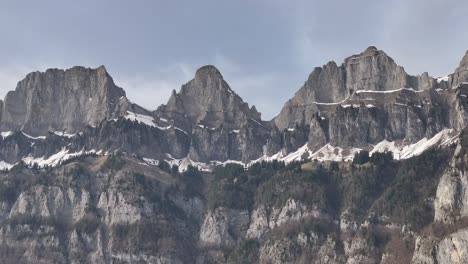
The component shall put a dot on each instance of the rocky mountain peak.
(370, 70)
(63, 100)
(209, 100)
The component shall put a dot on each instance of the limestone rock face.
(214, 115)
(222, 227)
(425, 251)
(62, 100)
(371, 70)
(208, 100)
(327, 84)
(374, 70)
(365, 100)
(461, 73)
(454, 248)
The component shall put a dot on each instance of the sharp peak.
(208, 70)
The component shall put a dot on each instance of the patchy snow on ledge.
(57, 158)
(389, 91)
(443, 138)
(6, 134)
(32, 137)
(5, 165)
(356, 105)
(151, 161)
(326, 153)
(184, 163)
(147, 120)
(337, 103)
(64, 134)
(442, 79)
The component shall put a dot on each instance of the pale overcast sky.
(264, 48)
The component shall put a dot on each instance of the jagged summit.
(208, 99)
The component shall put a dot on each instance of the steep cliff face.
(208, 100)
(371, 70)
(461, 73)
(62, 100)
(222, 126)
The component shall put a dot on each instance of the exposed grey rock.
(425, 251)
(208, 100)
(461, 73)
(62, 100)
(371, 70)
(453, 249)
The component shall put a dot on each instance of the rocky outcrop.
(371, 70)
(222, 227)
(461, 73)
(425, 251)
(209, 101)
(453, 249)
(63, 100)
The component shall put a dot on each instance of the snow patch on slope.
(32, 137)
(443, 138)
(64, 134)
(6, 134)
(5, 165)
(149, 121)
(57, 158)
(442, 79)
(144, 119)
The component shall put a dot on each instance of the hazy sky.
(264, 48)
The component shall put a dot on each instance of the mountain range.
(365, 102)
(364, 164)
